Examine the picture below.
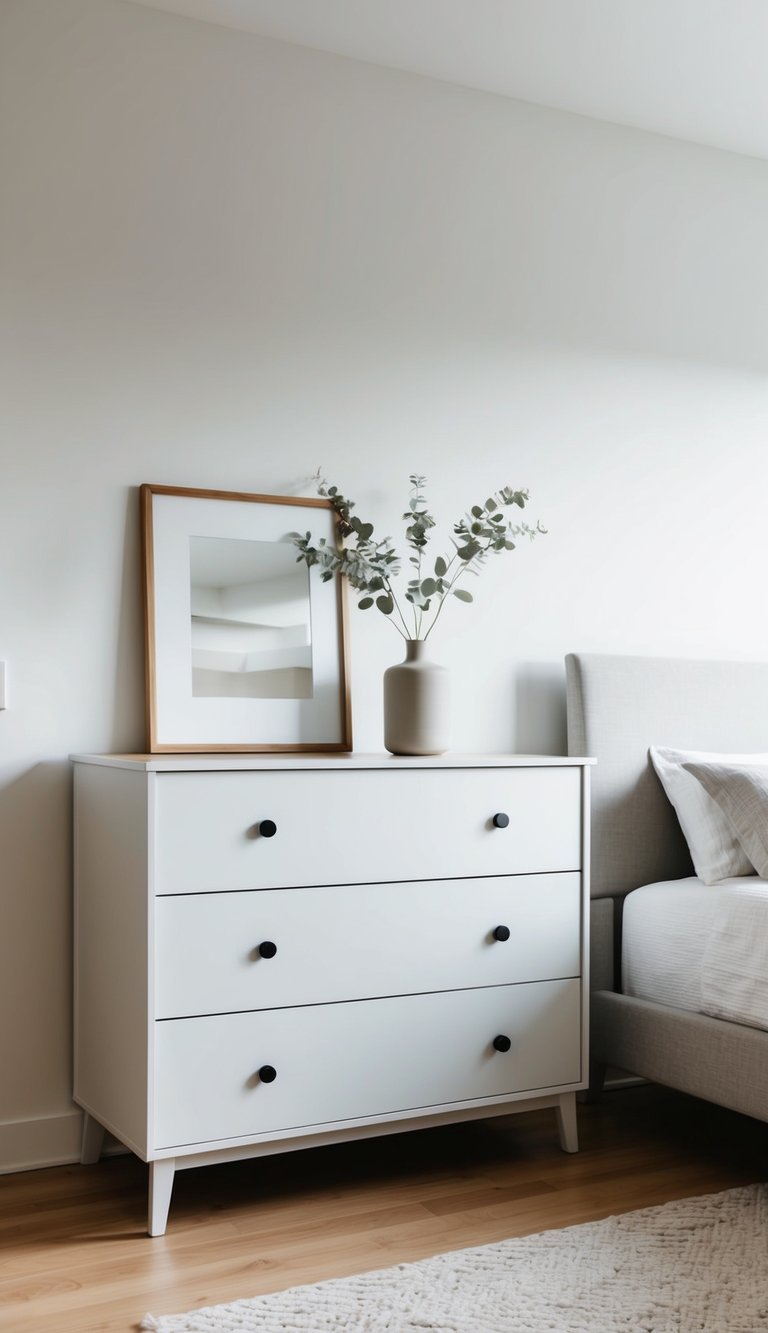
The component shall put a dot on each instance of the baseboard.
(53, 1140)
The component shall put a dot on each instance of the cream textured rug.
(696, 1266)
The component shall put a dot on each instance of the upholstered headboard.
(617, 708)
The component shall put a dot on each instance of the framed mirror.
(245, 645)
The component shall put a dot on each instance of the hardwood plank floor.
(74, 1256)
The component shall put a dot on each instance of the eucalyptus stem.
(444, 597)
(396, 604)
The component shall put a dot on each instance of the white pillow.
(715, 850)
(742, 795)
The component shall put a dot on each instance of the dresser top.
(206, 763)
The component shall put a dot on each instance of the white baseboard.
(53, 1140)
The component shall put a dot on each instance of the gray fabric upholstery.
(724, 1062)
(602, 944)
(617, 708)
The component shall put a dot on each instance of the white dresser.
(273, 953)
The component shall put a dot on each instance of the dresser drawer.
(369, 825)
(346, 1061)
(352, 941)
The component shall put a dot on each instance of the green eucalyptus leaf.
(428, 587)
(385, 604)
(441, 567)
(469, 551)
(366, 602)
(463, 595)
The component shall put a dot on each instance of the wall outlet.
(3, 685)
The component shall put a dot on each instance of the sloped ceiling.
(693, 69)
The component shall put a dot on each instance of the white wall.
(226, 262)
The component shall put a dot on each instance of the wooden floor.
(74, 1256)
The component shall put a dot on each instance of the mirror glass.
(251, 625)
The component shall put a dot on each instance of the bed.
(618, 708)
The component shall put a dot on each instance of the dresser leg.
(161, 1175)
(92, 1140)
(566, 1122)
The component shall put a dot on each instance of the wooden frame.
(194, 706)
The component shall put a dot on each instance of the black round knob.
(500, 820)
(267, 1073)
(267, 949)
(501, 1043)
(501, 933)
(267, 828)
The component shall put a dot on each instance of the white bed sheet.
(699, 947)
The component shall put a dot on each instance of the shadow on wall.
(128, 710)
(540, 716)
(35, 964)
(36, 865)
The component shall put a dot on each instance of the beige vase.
(417, 704)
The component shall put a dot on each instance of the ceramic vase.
(417, 703)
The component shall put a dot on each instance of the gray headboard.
(617, 708)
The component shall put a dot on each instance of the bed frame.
(617, 708)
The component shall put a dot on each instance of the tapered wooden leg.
(566, 1122)
(92, 1140)
(161, 1175)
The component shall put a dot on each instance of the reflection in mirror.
(251, 635)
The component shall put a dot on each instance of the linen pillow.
(742, 796)
(715, 850)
